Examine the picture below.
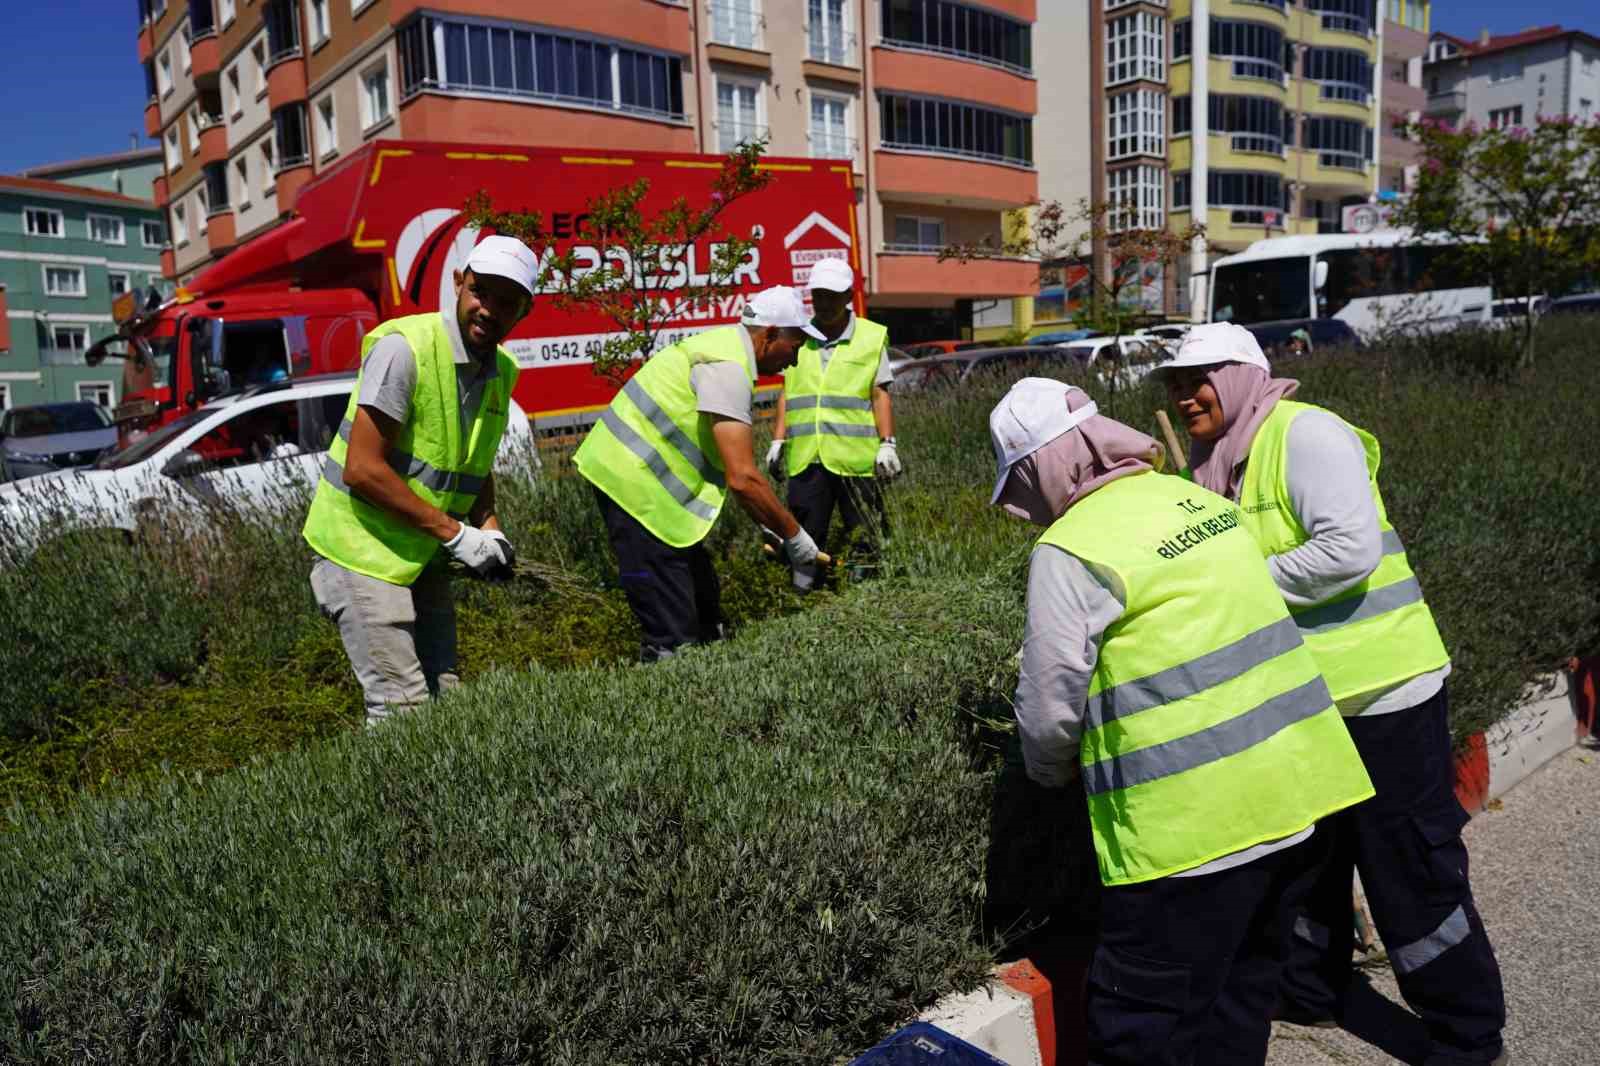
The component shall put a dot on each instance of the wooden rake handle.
(1172, 442)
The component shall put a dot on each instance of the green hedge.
(768, 850)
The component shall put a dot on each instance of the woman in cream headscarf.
(1160, 664)
(1307, 485)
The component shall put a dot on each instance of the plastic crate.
(921, 1044)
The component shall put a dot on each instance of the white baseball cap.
(1215, 343)
(1031, 415)
(779, 307)
(505, 257)
(834, 275)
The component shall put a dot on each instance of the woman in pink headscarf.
(1307, 485)
(1203, 771)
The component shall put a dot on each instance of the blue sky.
(78, 90)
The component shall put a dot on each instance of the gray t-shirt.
(389, 375)
(724, 388)
(825, 352)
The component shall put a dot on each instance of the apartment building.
(1509, 80)
(932, 102)
(1405, 47)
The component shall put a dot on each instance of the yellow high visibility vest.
(828, 412)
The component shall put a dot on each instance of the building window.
(1351, 16)
(1343, 74)
(283, 29)
(1138, 197)
(1339, 142)
(269, 169)
(151, 234)
(202, 209)
(117, 282)
(452, 55)
(1506, 69)
(1180, 191)
(235, 93)
(180, 225)
(1181, 43)
(1252, 198)
(64, 281)
(914, 233)
(375, 95)
(736, 22)
(150, 88)
(95, 392)
(258, 66)
(948, 128)
(1135, 123)
(327, 128)
(1505, 117)
(1257, 50)
(1182, 116)
(69, 338)
(317, 21)
(164, 72)
(828, 36)
(960, 30)
(43, 222)
(216, 187)
(174, 153)
(225, 9)
(1252, 123)
(830, 127)
(738, 114)
(1136, 48)
(5, 396)
(241, 172)
(289, 128)
(194, 127)
(107, 229)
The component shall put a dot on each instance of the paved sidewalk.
(1536, 878)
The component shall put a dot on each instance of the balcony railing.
(1342, 160)
(1259, 70)
(824, 146)
(1276, 5)
(1112, 5)
(826, 46)
(1256, 142)
(958, 53)
(61, 357)
(1446, 103)
(732, 134)
(1349, 92)
(958, 153)
(735, 24)
(1347, 24)
(912, 248)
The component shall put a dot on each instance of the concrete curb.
(1014, 1016)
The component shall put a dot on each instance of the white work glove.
(888, 462)
(483, 551)
(801, 549)
(775, 459)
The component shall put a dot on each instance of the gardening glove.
(888, 462)
(775, 460)
(801, 549)
(483, 551)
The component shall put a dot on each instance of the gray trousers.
(401, 639)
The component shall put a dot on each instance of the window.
(830, 127)
(452, 55)
(913, 233)
(1507, 69)
(99, 392)
(1182, 45)
(283, 28)
(1252, 123)
(64, 281)
(258, 66)
(241, 173)
(317, 21)
(235, 94)
(182, 39)
(1350, 16)
(1180, 191)
(107, 229)
(269, 169)
(69, 338)
(828, 36)
(180, 225)
(921, 123)
(174, 153)
(216, 187)
(1257, 50)
(225, 9)
(1136, 48)
(1138, 196)
(260, 434)
(375, 95)
(1135, 124)
(43, 222)
(1339, 142)
(151, 234)
(959, 29)
(289, 127)
(327, 128)
(738, 114)
(1505, 117)
(1344, 74)
(202, 209)
(5, 396)
(150, 88)
(118, 282)
(1182, 116)
(194, 127)
(1252, 198)
(736, 22)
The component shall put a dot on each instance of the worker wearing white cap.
(663, 455)
(410, 472)
(1307, 485)
(1163, 682)
(835, 420)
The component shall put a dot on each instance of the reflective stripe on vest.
(1366, 639)
(828, 410)
(1207, 727)
(408, 466)
(652, 452)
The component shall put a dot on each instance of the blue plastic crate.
(921, 1044)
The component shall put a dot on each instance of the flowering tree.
(642, 282)
(1524, 202)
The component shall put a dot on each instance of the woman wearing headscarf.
(1306, 483)
(1160, 665)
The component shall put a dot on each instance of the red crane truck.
(380, 235)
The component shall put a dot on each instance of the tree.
(631, 265)
(1524, 203)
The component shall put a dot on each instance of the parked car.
(1325, 333)
(1169, 331)
(927, 349)
(244, 449)
(958, 368)
(1131, 357)
(1065, 336)
(1512, 310)
(1587, 303)
(47, 437)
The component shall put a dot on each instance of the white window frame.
(164, 80)
(921, 245)
(1136, 47)
(1505, 118)
(182, 37)
(180, 225)
(732, 10)
(269, 172)
(226, 12)
(241, 170)
(1136, 123)
(109, 388)
(127, 281)
(828, 30)
(60, 222)
(235, 86)
(122, 229)
(83, 282)
(258, 60)
(358, 6)
(1146, 185)
(144, 234)
(203, 215)
(759, 126)
(327, 127)
(77, 328)
(369, 121)
(5, 395)
(842, 136)
(318, 34)
(192, 118)
(174, 151)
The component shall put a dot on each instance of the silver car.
(53, 436)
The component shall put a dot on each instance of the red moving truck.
(381, 234)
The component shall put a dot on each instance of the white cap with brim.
(779, 307)
(1215, 343)
(505, 257)
(834, 275)
(1031, 415)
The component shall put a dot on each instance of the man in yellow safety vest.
(662, 454)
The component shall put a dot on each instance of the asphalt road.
(1536, 877)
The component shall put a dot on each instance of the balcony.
(169, 262)
(832, 146)
(731, 135)
(152, 119)
(1445, 104)
(1256, 143)
(213, 140)
(291, 177)
(205, 56)
(737, 25)
(61, 357)
(286, 79)
(1345, 92)
(158, 190)
(831, 46)
(1334, 22)
(221, 230)
(915, 270)
(926, 177)
(925, 74)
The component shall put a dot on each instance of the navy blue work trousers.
(674, 592)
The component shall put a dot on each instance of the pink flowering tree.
(637, 284)
(1525, 202)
